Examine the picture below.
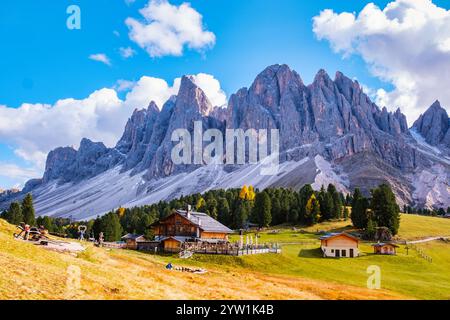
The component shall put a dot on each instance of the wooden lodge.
(183, 229)
(385, 248)
(340, 245)
(132, 240)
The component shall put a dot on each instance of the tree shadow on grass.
(311, 253)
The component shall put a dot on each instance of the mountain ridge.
(330, 122)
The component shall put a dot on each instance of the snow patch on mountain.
(422, 143)
(326, 175)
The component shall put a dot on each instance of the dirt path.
(428, 239)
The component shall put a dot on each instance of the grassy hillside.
(416, 227)
(412, 227)
(406, 273)
(31, 272)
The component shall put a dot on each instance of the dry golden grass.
(32, 272)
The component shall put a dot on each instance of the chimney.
(188, 211)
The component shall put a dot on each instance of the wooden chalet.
(385, 248)
(340, 245)
(183, 227)
(132, 240)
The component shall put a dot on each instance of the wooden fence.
(420, 252)
(114, 245)
(229, 249)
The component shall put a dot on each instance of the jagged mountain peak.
(191, 98)
(280, 75)
(436, 105)
(153, 107)
(322, 77)
(434, 125)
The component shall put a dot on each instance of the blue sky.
(42, 61)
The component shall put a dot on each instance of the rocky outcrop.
(190, 105)
(138, 133)
(434, 125)
(57, 164)
(335, 116)
(70, 165)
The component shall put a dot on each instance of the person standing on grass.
(27, 231)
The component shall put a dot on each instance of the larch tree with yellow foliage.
(121, 212)
(251, 194)
(201, 204)
(244, 193)
(312, 210)
(247, 193)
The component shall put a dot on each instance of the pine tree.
(240, 216)
(276, 211)
(224, 211)
(211, 206)
(14, 214)
(28, 210)
(337, 202)
(385, 210)
(47, 223)
(326, 204)
(304, 194)
(111, 227)
(370, 230)
(262, 209)
(359, 210)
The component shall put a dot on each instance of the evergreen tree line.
(235, 208)
(426, 212)
(21, 212)
(380, 210)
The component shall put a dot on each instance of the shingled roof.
(204, 222)
(333, 235)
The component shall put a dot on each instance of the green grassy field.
(299, 272)
(416, 227)
(408, 274)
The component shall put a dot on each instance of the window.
(332, 250)
(344, 253)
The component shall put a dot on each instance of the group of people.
(26, 231)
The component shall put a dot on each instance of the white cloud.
(157, 89)
(36, 129)
(127, 52)
(161, 91)
(124, 85)
(167, 29)
(211, 87)
(129, 2)
(407, 44)
(100, 57)
(20, 175)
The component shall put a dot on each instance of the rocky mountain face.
(330, 131)
(434, 126)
